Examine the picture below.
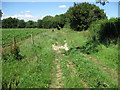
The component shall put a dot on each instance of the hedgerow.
(105, 31)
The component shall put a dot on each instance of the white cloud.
(25, 17)
(62, 6)
(27, 11)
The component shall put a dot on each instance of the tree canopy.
(47, 22)
(83, 14)
(10, 23)
(30, 24)
(21, 24)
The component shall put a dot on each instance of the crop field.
(19, 34)
(55, 60)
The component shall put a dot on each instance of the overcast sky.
(38, 10)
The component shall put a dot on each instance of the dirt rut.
(74, 71)
(59, 73)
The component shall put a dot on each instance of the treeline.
(78, 17)
(46, 22)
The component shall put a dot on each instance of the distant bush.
(105, 31)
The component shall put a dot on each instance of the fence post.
(40, 36)
(14, 41)
(32, 39)
(15, 49)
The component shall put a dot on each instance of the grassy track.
(45, 67)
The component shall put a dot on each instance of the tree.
(82, 15)
(47, 22)
(21, 24)
(63, 20)
(39, 24)
(30, 24)
(35, 25)
(10, 23)
(59, 20)
(0, 18)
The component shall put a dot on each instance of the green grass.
(19, 34)
(90, 73)
(33, 70)
(108, 55)
(37, 68)
(70, 79)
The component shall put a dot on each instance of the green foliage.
(52, 22)
(67, 25)
(10, 23)
(39, 24)
(16, 23)
(90, 47)
(21, 24)
(82, 15)
(31, 24)
(102, 32)
(105, 31)
(59, 20)
(47, 22)
(108, 55)
(15, 51)
(12, 55)
(7, 57)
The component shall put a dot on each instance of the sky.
(38, 10)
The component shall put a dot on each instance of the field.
(19, 34)
(55, 60)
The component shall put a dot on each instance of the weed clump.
(13, 54)
(90, 47)
(15, 50)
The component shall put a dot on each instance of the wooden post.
(14, 45)
(32, 39)
(14, 50)
(14, 41)
(39, 36)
